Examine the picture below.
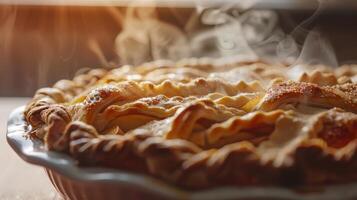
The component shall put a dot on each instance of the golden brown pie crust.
(201, 123)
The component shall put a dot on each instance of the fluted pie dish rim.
(32, 151)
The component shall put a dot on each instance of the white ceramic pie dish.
(78, 183)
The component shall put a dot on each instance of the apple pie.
(200, 123)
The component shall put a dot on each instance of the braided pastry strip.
(48, 122)
(47, 117)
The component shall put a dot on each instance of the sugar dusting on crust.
(99, 94)
(342, 96)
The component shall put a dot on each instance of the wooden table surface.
(18, 179)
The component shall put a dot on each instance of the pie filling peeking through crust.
(200, 123)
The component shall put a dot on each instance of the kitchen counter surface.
(18, 179)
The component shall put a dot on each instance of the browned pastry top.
(199, 123)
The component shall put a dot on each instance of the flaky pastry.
(199, 123)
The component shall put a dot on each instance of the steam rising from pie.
(230, 30)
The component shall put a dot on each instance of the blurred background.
(44, 41)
